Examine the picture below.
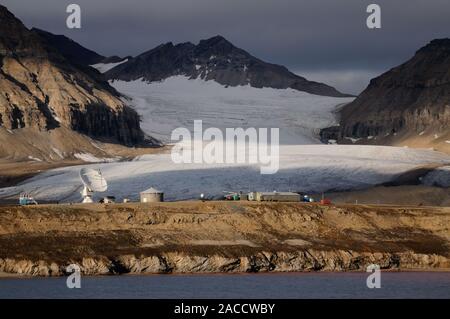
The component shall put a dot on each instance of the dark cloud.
(314, 36)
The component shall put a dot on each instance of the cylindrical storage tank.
(152, 195)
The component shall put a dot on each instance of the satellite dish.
(93, 181)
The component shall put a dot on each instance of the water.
(293, 285)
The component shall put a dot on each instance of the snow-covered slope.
(311, 168)
(177, 101)
(104, 67)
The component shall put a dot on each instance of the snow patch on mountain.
(104, 67)
(88, 157)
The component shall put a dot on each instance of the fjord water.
(293, 285)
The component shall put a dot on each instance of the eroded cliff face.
(40, 89)
(413, 98)
(167, 263)
(210, 237)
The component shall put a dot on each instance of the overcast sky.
(325, 40)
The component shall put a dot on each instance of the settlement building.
(274, 197)
(152, 195)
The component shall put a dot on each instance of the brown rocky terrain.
(60, 145)
(27, 152)
(188, 237)
(417, 195)
(408, 105)
(41, 90)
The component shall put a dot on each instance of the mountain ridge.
(214, 59)
(40, 89)
(70, 49)
(405, 105)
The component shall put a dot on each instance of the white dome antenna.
(93, 181)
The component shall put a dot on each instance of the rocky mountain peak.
(41, 89)
(214, 41)
(74, 52)
(214, 59)
(435, 45)
(69, 49)
(217, 44)
(15, 38)
(412, 99)
(8, 17)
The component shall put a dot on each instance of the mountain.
(214, 59)
(410, 102)
(42, 90)
(69, 49)
(109, 63)
(114, 59)
(75, 52)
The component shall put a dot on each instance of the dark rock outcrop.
(330, 134)
(214, 59)
(71, 50)
(410, 98)
(40, 88)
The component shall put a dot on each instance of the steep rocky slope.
(409, 103)
(188, 237)
(214, 59)
(71, 50)
(42, 90)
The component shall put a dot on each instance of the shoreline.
(221, 237)
(4, 275)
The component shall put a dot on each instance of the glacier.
(306, 165)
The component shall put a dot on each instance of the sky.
(323, 40)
